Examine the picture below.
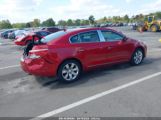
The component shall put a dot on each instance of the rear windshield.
(53, 36)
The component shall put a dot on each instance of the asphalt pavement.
(117, 91)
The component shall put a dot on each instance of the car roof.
(77, 30)
(9, 30)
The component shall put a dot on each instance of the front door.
(115, 48)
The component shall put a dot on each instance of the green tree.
(102, 20)
(116, 19)
(36, 23)
(105, 19)
(5, 24)
(28, 25)
(141, 17)
(62, 23)
(126, 18)
(19, 25)
(158, 15)
(49, 22)
(77, 22)
(84, 22)
(69, 22)
(91, 19)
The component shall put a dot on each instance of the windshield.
(150, 19)
(52, 36)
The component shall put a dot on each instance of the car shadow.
(54, 83)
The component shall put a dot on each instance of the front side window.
(111, 36)
(89, 37)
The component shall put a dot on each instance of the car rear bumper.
(19, 43)
(38, 67)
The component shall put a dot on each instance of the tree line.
(5, 24)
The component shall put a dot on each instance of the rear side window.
(87, 37)
(111, 36)
(75, 39)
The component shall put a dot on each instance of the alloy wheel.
(70, 71)
(138, 57)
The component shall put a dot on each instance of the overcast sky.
(27, 10)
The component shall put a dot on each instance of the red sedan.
(66, 54)
(26, 39)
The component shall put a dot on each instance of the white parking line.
(13, 66)
(94, 97)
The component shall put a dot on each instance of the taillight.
(37, 53)
(34, 56)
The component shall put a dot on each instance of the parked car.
(66, 54)
(16, 33)
(6, 33)
(136, 25)
(22, 34)
(27, 38)
(52, 29)
(120, 24)
(109, 24)
(125, 24)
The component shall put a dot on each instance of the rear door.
(88, 48)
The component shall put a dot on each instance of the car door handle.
(109, 47)
(81, 50)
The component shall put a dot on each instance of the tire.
(154, 28)
(5, 37)
(69, 71)
(137, 57)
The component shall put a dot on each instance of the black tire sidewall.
(59, 73)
